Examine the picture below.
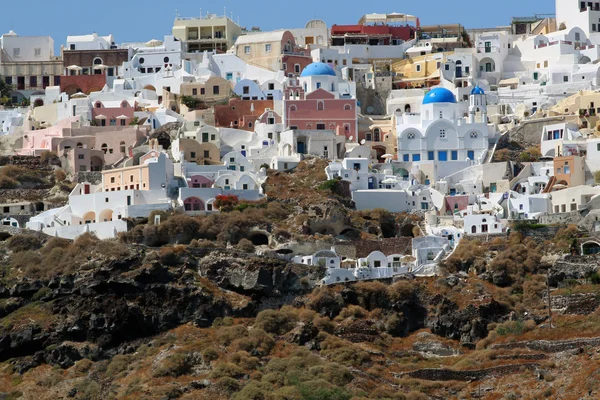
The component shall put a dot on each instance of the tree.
(5, 89)
(190, 102)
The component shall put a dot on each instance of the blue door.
(243, 153)
(442, 156)
(471, 155)
(301, 147)
(371, 183)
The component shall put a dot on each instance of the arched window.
(473, 229)
(79, 145)
(577, 36)
(124, 104)
(320, 106)
(346, 128)
(98, 104)
(122, 147)
(97, 61)
(347, 107)
(407, 108)
(293, 108)
(104, 148)
(473, 135)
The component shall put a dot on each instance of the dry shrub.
(60, 175)
(351, 311)
(326, 302)
(228, 334)
(23, 242)
(467, 255)
(227, 385)
(343, 352)
(534, 289)
(257, 342)
(402, 291)
(229, 370)
(55, 243)
(246, 246)
(275, 322)
(520, 259)
(244, 360)
(372, 294)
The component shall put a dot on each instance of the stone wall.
(432, 374)
(562, 218)
(529, 133)
(575, 304)
(95, 178)
(30, 162)
(550, 346)
(362, 248)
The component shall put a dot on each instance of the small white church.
(439, 133)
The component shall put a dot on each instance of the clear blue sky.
(134, 20)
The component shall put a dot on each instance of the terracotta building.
(241, 114)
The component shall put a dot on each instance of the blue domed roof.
(317, 68)
(439, 95)
(477, 90)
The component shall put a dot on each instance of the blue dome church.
(441, 135)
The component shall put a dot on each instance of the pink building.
(112, 113)
(320, 110)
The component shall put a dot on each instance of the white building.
(583, 14)
(152, 57)
(91, 42)
(100, 209)
(439, 133)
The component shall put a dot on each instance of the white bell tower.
(477, 103)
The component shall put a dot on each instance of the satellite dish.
(370, 109)
(363, 141)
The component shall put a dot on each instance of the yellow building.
(210, 32)
(419, 71)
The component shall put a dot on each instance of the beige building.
(206, 33)
(213, 90)
(28, 64)
(584, 106)
(265, 49)
(190, 150)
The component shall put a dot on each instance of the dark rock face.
(105, 309)
(468, 325)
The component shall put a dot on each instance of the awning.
(74, 68)
(100, 116)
